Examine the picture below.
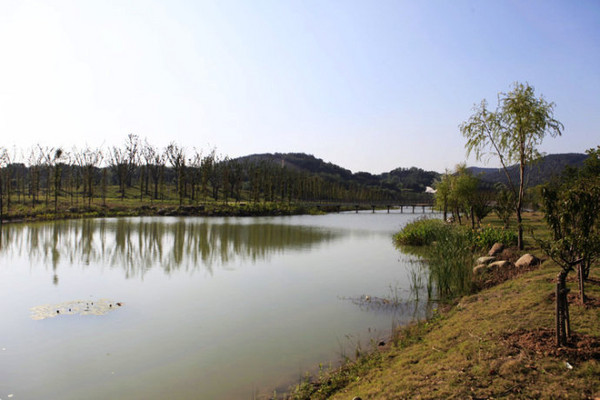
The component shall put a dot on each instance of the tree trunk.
(580, 281)
(472, 218)
(1, 199)
(563, 325)
(519, 229)
(521, 195)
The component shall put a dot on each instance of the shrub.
(484, 238)
(421, 232)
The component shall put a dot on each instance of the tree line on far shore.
(139, 172)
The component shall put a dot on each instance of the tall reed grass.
(450, 261)
(448, 254)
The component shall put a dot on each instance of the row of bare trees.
(139, 171)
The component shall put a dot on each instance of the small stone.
(499, 264)
(496, 249)
(485, 260)
(569, 366)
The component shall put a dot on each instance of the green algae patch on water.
(75, 307)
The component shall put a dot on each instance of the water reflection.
(139, 244)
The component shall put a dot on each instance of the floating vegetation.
(76, 307)
(373, 303)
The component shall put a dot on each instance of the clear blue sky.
(368, 85)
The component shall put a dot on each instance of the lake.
(192, 308)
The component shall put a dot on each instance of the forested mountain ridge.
(539, 172)
(414, 179)
(300, 162)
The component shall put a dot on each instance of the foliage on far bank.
(424, 232)
(421, 232)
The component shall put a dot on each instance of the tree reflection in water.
(139, 244)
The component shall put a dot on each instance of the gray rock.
(479, 269)
(496, 249)
(499, 264)
(527, 260)
(485, 260)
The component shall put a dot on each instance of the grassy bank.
(135, 208)
(113, 204)
(496, 343)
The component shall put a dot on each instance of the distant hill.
(412, 179)
(300, 162)
(400, 179)
(540, 172)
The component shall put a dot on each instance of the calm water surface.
(212, 308)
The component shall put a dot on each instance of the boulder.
(527, 260)
(499, 264)
(496, 249)
(479, 269)
(485, 260)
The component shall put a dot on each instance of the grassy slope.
(464, 353)
(470, 351)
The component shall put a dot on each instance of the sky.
(368, 85)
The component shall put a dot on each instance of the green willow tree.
(512, 132)
(443, 187)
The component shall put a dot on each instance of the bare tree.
(88, 160)
(4, 161)
(206, 170)
(118, 162)
(176, 157)
(195, 173)
(34, 159)
(132, 149)
(147, 153)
